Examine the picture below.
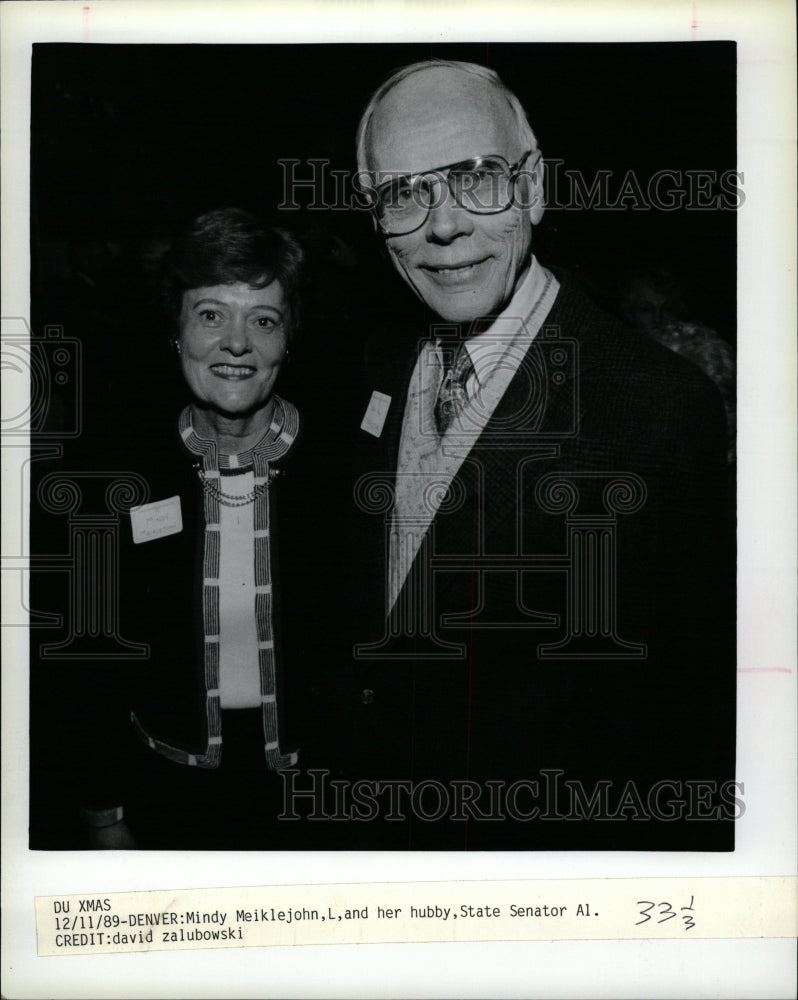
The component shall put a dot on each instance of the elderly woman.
(215, 705)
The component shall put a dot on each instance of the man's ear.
(528, 192)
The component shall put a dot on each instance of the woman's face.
(232, 343)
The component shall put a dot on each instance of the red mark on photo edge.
(86, 12)
(694, 22)
(764, 670)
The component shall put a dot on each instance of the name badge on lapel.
(376, 412)
(156, 520)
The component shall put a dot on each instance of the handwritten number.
(666, 912)
(644, 913)
(665, 908)
(689, 923)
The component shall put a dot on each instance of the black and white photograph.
(379, 473)
(400, 509)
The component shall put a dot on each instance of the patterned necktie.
(452, 395)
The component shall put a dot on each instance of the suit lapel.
(389, 364)
(389, 375)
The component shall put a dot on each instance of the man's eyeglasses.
(484, 185)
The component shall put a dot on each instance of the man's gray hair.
(525, 133)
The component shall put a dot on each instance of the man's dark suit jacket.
(607, 451)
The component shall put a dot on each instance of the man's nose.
(236, 337)
(447, 220)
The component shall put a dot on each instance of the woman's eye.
(210, 315)
(265, 323)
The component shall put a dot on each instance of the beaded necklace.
(231, 500)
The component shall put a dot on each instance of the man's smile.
(452, 274)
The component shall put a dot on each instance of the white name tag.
(376, 412)
(156, 520)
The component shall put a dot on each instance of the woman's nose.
(236, 336)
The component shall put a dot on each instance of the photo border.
(766, 835)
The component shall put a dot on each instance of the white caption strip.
(372, 913)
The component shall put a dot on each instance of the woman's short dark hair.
(227, 246)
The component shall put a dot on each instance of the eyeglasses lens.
(480, 186)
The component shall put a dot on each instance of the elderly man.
(541, 658)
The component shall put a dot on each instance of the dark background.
(130, 142)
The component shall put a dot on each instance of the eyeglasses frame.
(514, 172)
